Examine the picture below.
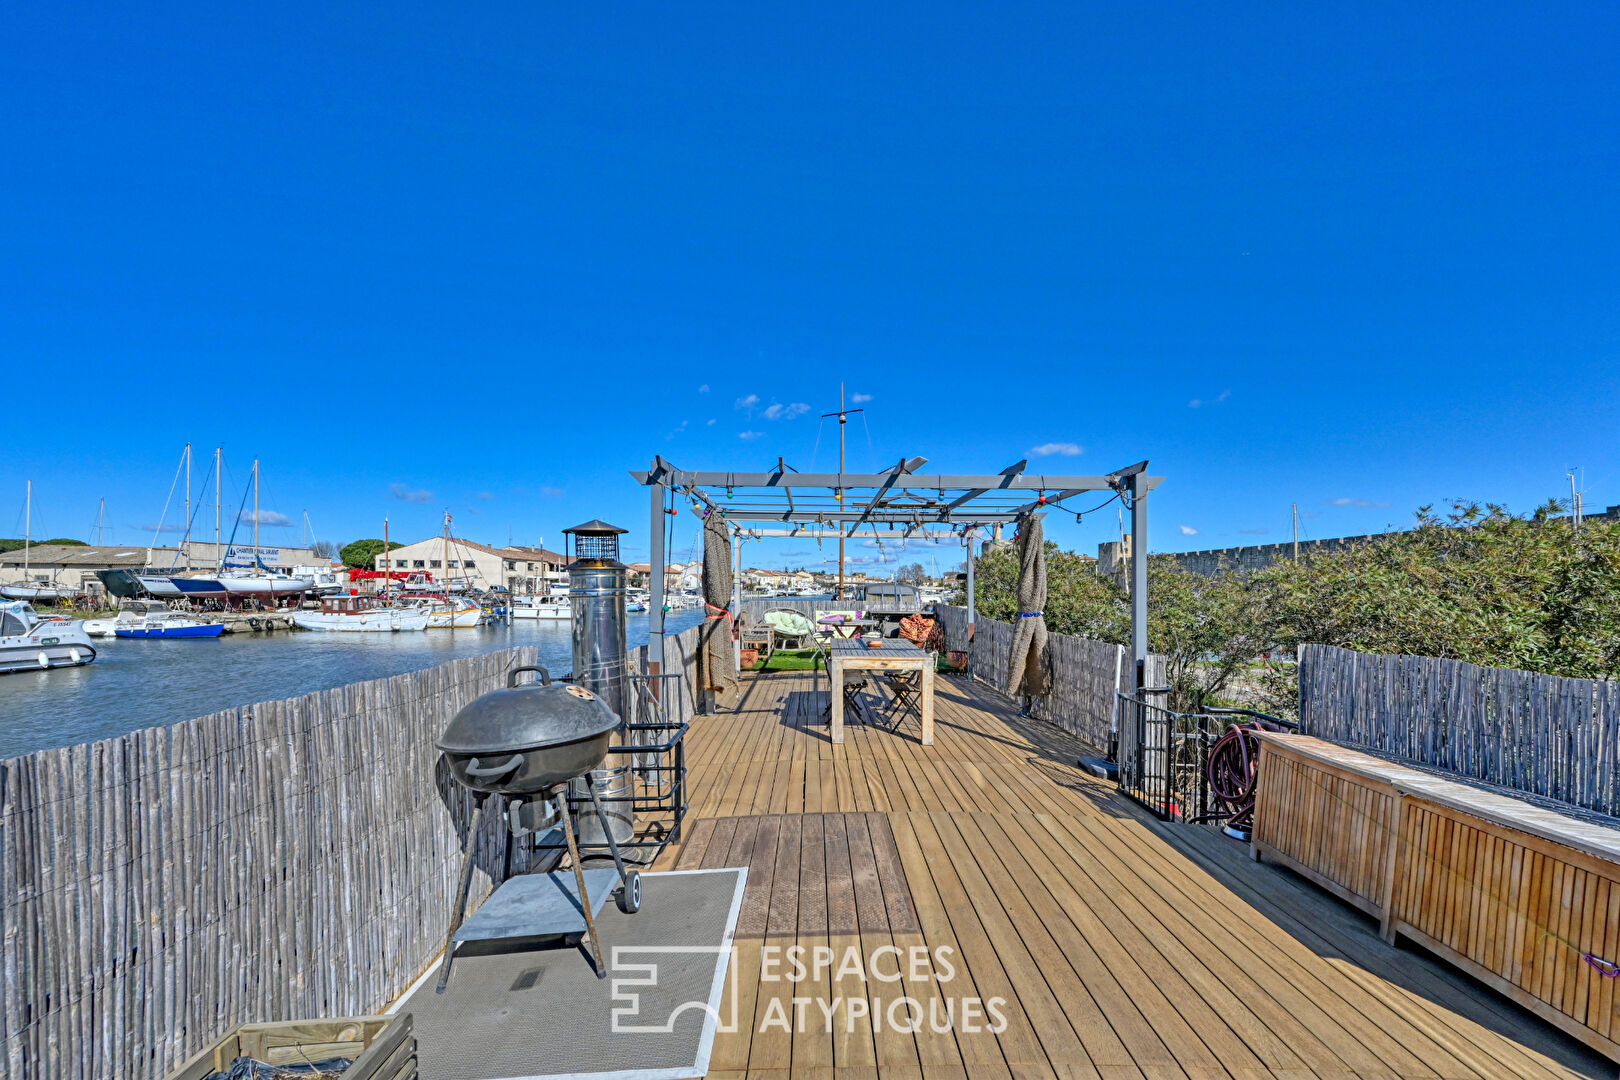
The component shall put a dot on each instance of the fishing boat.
(153, 619)
(30, 641)
(362, 614)
(541, 607)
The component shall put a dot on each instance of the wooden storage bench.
(382, 1047)
(1524, 899)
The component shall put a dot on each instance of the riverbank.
(135, 683)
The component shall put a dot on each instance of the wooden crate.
(1520, 897)
(382, 1047)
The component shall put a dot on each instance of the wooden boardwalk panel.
(1038, 927)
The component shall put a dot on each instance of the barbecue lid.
(527, 717)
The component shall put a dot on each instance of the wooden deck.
(1120, 947)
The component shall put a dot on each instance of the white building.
(466, 562)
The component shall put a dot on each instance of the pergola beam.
(851, 481)
(905, 467)
(1009, 472)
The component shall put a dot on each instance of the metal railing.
(1164, 755)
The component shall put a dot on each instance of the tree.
(362, 554)
(911, 572)
(325, 549)
(17, 545)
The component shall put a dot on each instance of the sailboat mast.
(101, 522)
(388, 567)
(28, 526)
(256, 557)
(842, 420)
(219, 553)
(185, 539)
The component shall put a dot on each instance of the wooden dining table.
(853, 654)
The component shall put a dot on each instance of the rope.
(725, 613)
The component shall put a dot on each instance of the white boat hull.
(379, 621)
(263, 585)
(35, 592)
(46, 644)
(159, 586)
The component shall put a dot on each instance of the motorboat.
(153, 619)
(446, 611)
(324, 581)
(30, 641)
(542, 607)
(362, 614)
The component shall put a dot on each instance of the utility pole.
(843, 415)
(1296, 532)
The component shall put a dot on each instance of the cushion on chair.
(789, 623)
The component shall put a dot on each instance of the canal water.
(135, 684)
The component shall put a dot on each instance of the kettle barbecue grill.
(528, 743)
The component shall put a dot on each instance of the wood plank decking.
(1119, 947)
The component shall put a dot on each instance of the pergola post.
(1139, 580)
(736, 597)
(655, 583)
(968, 536)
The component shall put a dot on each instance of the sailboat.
(260, 583)
(27, 589)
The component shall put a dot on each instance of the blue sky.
(1355, 257)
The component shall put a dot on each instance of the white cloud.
(1254, 532)
(704, 389)
(265, 517)
(485, 495)
(552, 492)
(860, 399)
(677, 431)
(411, 495)
(749, 436)
(778, 411)
(1220, 397)
(748, 402)
(1188, 530)
(1194, 403)
(1224, 394)
(710, 424)
(1355, 502)
(1066, 449)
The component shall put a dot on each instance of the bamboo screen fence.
(287, 860)
(1548, 736)
(1086, 674)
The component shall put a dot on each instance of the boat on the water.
(30, 641)
(153, 619)
(362, 614)
(541, 607)
(446, 611)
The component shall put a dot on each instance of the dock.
(1119, 946)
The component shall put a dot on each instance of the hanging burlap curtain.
(1027, 666)
(718, 662)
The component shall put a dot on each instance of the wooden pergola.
(901, 503)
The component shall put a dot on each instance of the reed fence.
(1085, 674)
(286, 860)
(1548, 736)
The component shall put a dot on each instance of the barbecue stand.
(529, 743)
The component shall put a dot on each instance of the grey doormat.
(516, 1010)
